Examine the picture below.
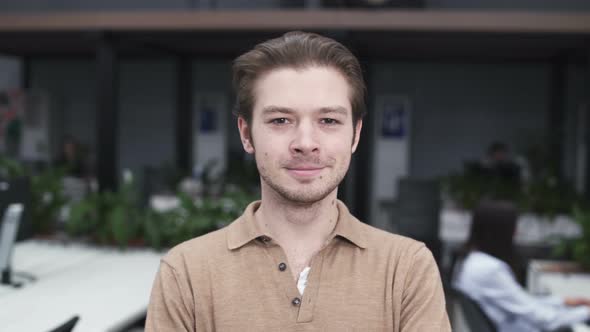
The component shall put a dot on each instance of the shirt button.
(282, 267)
(296, 301)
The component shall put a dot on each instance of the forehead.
(302, 89)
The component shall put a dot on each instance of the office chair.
(18, 190)
(8, 229)
(417, 212)
(476, 318)
(67, 326)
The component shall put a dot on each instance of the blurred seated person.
(485, 272)
(71, 158)
(76, 181)
(498, 163)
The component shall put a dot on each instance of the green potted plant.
(108, 217)
(193, 218)
(47, 198)
(579, 248)
(467, 189)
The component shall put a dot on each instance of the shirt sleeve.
(168, 309)
(502, 290)
(550, 300)
(423, 302)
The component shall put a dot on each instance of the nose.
(305, 141)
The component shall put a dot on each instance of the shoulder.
(395, 252)
(483, 261)
(479, 266)
(412, 274)
(386, 242)
(198, 250)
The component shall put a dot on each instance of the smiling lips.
(305, 171)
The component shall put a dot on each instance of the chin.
(305, 195)
(304, 199)
(301, 191)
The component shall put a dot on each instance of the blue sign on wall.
(393, 121)
(208, 119)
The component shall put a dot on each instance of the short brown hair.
(296, 50)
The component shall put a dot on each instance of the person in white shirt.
(484, 272)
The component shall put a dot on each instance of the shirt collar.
(245, 229)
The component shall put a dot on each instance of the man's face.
(301, 132)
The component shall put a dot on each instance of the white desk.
(531, 229)
(576, 284)
(107, 288)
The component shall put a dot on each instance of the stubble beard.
(306, 194)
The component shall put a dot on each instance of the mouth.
(304, 172)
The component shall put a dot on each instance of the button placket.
(310, 297)
(284, 281)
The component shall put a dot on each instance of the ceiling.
(430, 37)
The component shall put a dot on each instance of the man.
(297, 260)
(498, 164)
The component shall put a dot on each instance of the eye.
(279, 121)
(329, 121)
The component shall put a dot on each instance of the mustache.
(311, 161)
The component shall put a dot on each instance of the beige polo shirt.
(238, 279)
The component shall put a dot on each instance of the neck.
(297, 225)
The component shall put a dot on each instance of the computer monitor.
(17, 190)
(8, 231)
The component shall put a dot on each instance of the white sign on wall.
(36, 138)
(392, 144)
(391, 157)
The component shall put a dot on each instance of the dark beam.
(107, 114)
(556, 113)
(25, 73)
(363, 158)
(184, 115)
(587, 124)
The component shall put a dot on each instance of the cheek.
(266, 152)
(341, 148)
(268, 142)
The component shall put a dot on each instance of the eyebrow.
(285, 110)
(277, 109)
(336, 109)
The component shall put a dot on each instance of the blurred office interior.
(117, 135)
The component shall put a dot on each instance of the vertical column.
(107, 113)
(364, 154)
(184, 115)
(587, 124)
(556, 115)
(25, 73)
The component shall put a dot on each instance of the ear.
(357, 134)
(245, 131)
